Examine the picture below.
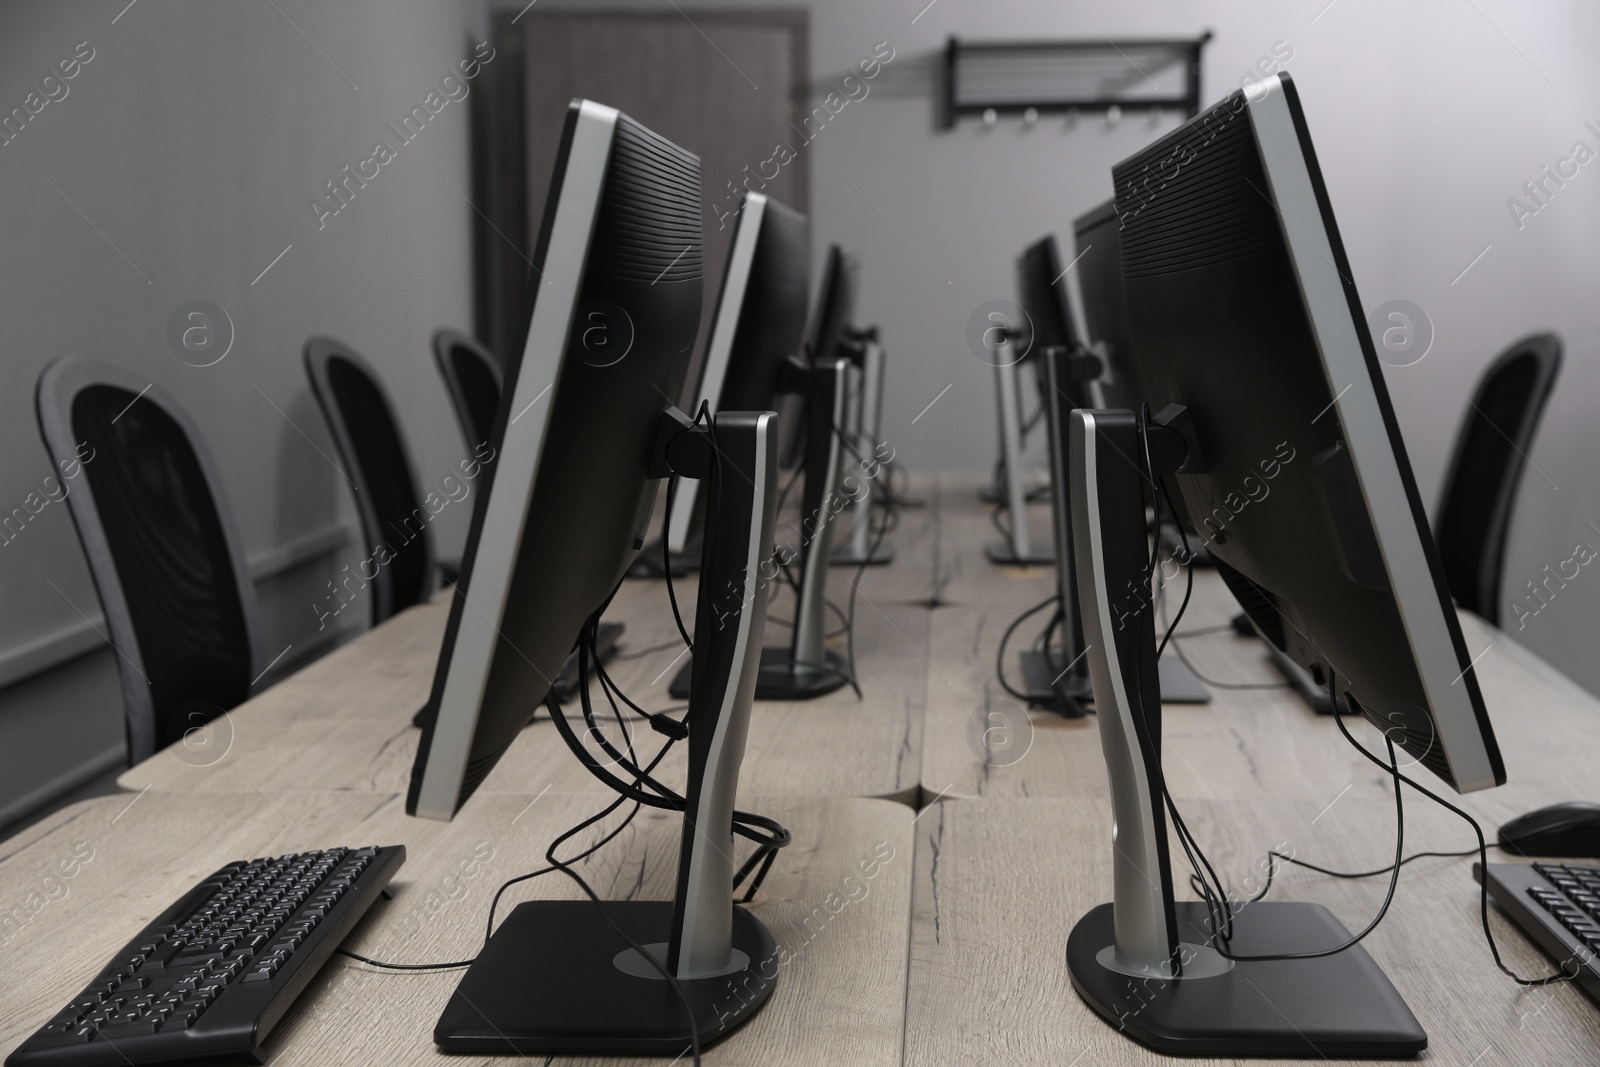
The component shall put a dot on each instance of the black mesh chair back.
(1491, 452)
(472, 378)
(166, 560)
(394, 524)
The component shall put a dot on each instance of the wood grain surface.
(840, 1000)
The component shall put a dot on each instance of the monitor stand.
(1145, 963)
(866, 419)
(556, 977)
(807, 668)
(1018, 550)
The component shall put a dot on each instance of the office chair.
(161, 546)
(1486, 467)
(473, 379)
(364, 430)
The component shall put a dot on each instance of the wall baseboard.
(87, 771)
(84, 636)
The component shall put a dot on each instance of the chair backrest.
(473, 379)
(162, 549)
(1486, 467)
(394, 524)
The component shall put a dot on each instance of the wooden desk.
(1264, 743)
(1000, 883)
(841, 1000)
(344, 722)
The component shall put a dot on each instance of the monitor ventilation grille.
(1197, 197)
(649, 227)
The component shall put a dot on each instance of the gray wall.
(192, 143)
(1428, 116)
(195, 137)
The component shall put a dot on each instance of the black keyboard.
(214, 973)
(1558, 906)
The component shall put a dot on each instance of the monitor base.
(550, 981)
(846, 555)
(1002, 553)
(1040, 670)
(566, 686)
(1049, 685)
(1179, 684)
(1335, 1006)
(1300, 680)
(781, 678)
(647, 564)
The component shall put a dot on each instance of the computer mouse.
(1571, 830)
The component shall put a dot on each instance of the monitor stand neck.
(1052, 678)
(730, 619)
(866, 420)
(1018, 550)
(1129, 959)
(1113, 578)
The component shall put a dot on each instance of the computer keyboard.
(1558, 906)
(216, 971)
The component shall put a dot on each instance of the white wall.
(191, 143)
(1427, 117)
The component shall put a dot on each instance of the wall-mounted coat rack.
(1041, 77)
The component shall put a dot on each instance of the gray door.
(725, 85)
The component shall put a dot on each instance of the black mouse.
(1569, 830)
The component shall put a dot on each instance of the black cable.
(408, 966)
(672, 979)
(1483, 859)
(1274, 857)
(1176, 647)
(666, 563)
(1005, 638)
(1394, 881)
(643, 652)
(1392, 768)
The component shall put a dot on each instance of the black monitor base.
(845, 555)
(1040, 671)
(647, 564)
(781, 678)
(1336, 1006)
(1002, 553)
(1049, 684)
(1314, 694)
(549, 981)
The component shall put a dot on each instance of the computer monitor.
(836, 302)
(1057, 674)
(1277, 440)
(760, 314)
(812, 408)
(615, 297)
(1098, 244)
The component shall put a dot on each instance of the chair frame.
(59, 385)
(319, 352)
(445, 339)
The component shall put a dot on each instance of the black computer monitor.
(830, 320)
(760, 315)
(1057, 674)
(1098, 246)
(812, 408)
(1276, 439)
(1041, 286)
(615, 296)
